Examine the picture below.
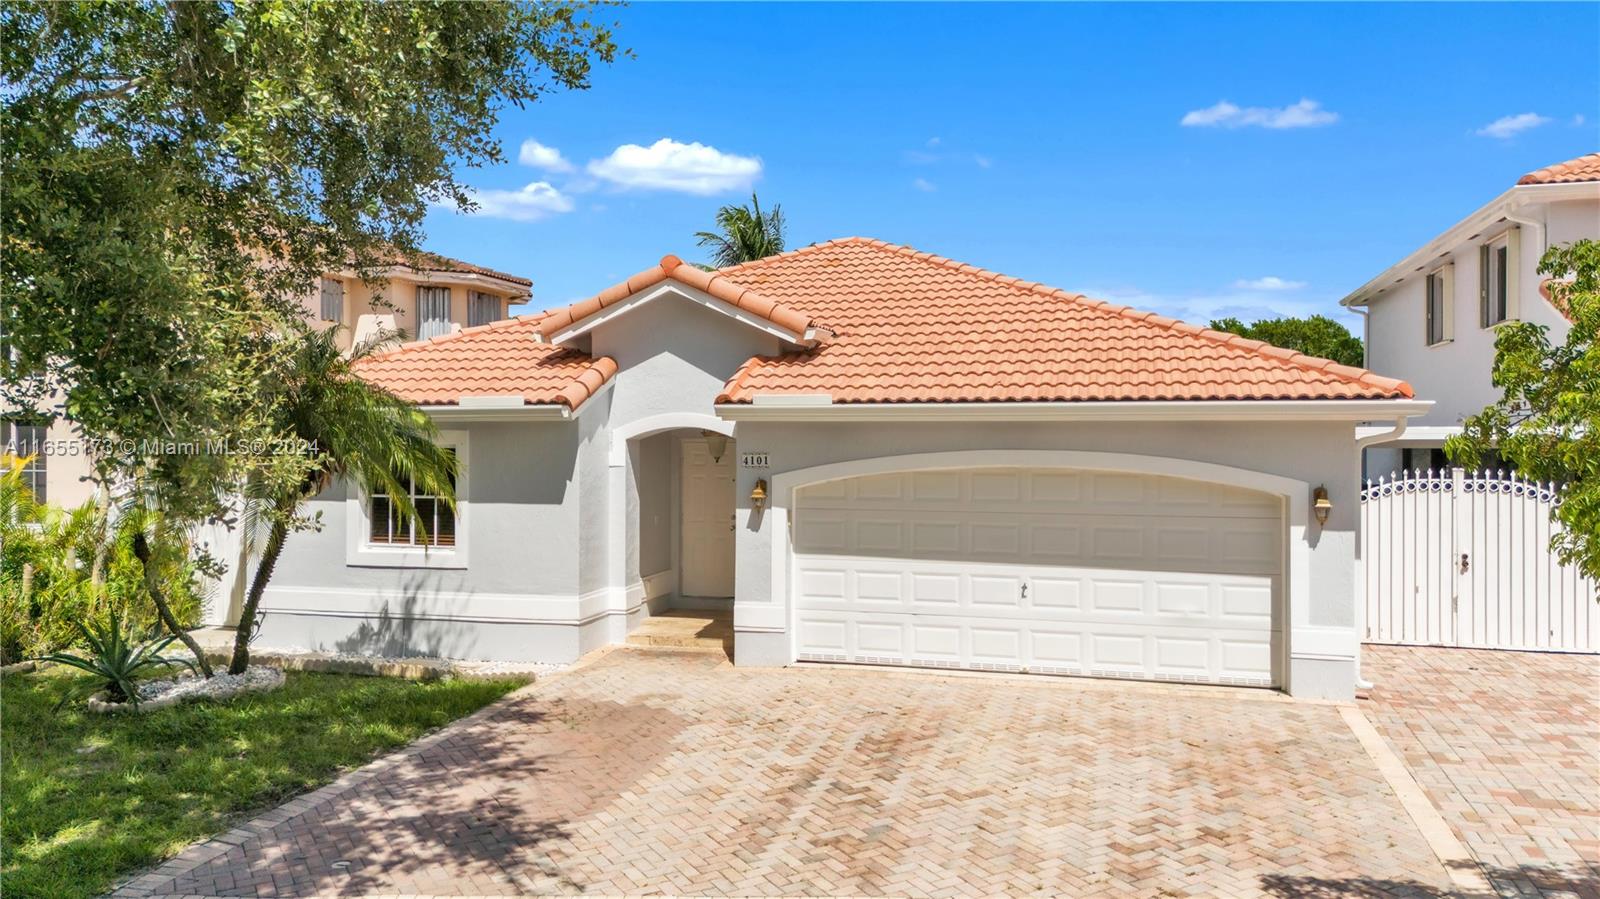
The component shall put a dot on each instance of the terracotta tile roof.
(498, 359)
(914, 327)
(1584, 168)
(424, 261)
(905, 327)
(671, 267)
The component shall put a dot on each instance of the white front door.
(1048, 571)
(708, 521)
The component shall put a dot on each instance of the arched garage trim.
(1301, 638)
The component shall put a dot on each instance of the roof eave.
(821, 408)
(1491, 213)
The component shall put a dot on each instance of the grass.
(88, 799)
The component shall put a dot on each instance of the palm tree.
(347, 428)
(747, 234)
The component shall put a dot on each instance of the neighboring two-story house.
(1431, 318)
(438, 295)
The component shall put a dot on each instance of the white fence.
(1458, 559)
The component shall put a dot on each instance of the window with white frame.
(332, 299)
(25, 440)
(434, 525)
(482, 308)
(1497, 284)
(1438, 293)
(433, 312)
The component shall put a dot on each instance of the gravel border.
(186, 687)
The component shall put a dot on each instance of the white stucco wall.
(1456, 375)
(1314, 453)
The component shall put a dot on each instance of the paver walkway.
(1507, 746)
(651, 771)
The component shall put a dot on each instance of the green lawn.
(87, 799)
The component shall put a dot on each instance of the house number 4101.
(752, 460)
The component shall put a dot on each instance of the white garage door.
(1041, 570)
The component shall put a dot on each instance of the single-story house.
(870, 454)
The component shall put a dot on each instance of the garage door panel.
(1048, 571)
(1004, 490)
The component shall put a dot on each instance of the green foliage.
(1547, 421)
(116, 661)
(90, 799)
(1318, 336)
(178, 174)
(744, 234)
(348, 428)
(59, 568)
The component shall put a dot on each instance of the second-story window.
(433, 312)
(332, 299)
(1438, 305)
(1497, 284)
(482, 308)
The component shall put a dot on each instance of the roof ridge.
(672, 268)
(408, 346)
(1558, 172)
(1259, 347)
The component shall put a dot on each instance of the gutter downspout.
(1361, 608)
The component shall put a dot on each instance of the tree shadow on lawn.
(473, 813)
(1527, 880)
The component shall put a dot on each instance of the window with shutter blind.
(332, 300)
(435, 524)
(482, 308)
(25, 440)
(1437, 295)
(433, 312)
(1497, 279)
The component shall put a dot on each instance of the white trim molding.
(1182, 410)
(1473, 229)
(1303, 640)
(358, 552)
(682, 291)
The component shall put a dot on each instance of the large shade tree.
(1547, 421)
(178, 174)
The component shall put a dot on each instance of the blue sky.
(1198, 160)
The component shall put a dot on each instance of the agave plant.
(118, 661)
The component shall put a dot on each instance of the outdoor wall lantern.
(716, 443)
(1320, 504)
(758, 494)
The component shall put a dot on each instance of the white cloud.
(934, 142)
(528, 204)
(669, 165)
(924, 185)
(1270, 282)
(1577, 120)
(540, 156)
(982, 161)
(1512, 125)
(1305, 114)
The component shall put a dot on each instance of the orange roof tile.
(1584, 168)
(912, 327)
(906, 327)
(424, 262)
(673, 268)
(498, 359)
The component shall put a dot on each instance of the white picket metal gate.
(1463, 559)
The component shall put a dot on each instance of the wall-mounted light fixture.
(758, 494)
(1320, 504)
(716, 443)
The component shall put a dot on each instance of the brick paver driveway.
(658, 772)
(1507, 747)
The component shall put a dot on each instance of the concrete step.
(686, 629)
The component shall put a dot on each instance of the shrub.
(48, 577)
(116, 661)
